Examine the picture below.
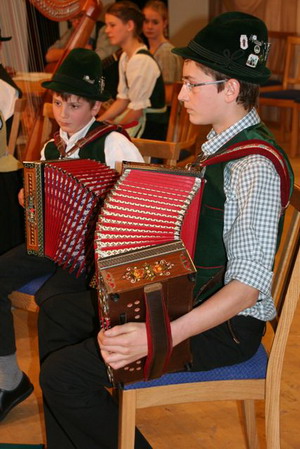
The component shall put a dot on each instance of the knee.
(52, 376)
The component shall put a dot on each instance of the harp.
(60, 10)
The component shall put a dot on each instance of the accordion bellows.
(149, 207)
(62, 201)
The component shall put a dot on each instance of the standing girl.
(155, 29)
(141, 95)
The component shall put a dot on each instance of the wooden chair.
(15, 137)
(284, 97)
(181, 135)
(276, 60)
(256, 379)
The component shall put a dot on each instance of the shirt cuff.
(250, 273)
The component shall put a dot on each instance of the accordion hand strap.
(158, 332)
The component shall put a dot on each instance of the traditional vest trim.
(100, 131)
(251, 147)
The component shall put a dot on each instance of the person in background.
(141, 96)
(110, 55)
(56, 51)
(155, 29)
(9, 92)
(12, 230)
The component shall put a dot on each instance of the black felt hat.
(234, 43)
(2, 39)
(80, 74)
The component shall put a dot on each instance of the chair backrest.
(277, 56)
(286, 292)
(291, 75)
(48, 123)
(288, 249)
(16, 123)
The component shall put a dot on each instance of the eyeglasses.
(190, 86)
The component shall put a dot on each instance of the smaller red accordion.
(62, 201)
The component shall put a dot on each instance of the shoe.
(10, 398)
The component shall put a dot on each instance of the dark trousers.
(79, 412)
(18, 268)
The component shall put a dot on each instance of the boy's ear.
(96, 108)
(232, 89)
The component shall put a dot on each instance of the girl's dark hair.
(125, 11)
(249, 93)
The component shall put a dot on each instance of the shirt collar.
(216, 141)
(70, 141)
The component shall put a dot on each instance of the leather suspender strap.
(158, 332)
(100, 131)
(248, 148)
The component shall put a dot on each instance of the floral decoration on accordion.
(148, 271)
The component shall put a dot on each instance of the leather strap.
(248, 148)
(100, 131)
(158, 332)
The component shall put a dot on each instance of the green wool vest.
(93, 150)
(210, 255)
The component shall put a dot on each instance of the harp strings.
(13, 23)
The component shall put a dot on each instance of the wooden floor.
(204, 426)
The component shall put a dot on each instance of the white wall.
(186, 18)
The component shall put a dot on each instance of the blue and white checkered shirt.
(251, 214)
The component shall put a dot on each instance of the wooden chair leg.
(272, 420)
(127, 417)
(250, 422)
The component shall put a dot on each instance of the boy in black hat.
(9, 92)
(239, 228)
(78, 89)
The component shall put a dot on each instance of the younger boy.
(78, 91)
(238, 230)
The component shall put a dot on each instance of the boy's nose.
(183, 94)
(63, 111)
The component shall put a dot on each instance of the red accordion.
(62, 201)
(145, 235)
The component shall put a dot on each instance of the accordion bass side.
(62, 201)
(153, 285)
(144, 241)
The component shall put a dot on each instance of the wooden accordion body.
(144, 244)
(62, 201)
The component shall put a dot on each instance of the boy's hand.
(21, 197)
(123, 344)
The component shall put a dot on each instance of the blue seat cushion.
(33, 286)
(287, 94)
(254, 368)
